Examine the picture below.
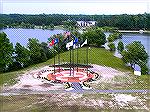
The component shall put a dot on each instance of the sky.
(88, 7)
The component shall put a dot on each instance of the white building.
(86, 23)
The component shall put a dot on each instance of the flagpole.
(77, 57)
(87, 57)
(70, 61)
(73, 59)
(54, 58)
(58, 55)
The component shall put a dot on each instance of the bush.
(144, 68)
(95, 37)
(14, 66)
(112, 46)
(120, 46)
(114, 36)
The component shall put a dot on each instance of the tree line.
(123, 21)
(14, 58)
(17, 57)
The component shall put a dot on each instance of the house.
(86, 23)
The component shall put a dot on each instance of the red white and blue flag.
(54, 41)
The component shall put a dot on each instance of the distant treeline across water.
(124, 21)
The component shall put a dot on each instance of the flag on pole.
(75, 40)
(52, 43)
(49, 39)
(85, 42)
(56, 41)
(69, 44)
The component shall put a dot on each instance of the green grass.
(127, 82)
(98, 56)
(31, 103)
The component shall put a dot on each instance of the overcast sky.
(75, 6)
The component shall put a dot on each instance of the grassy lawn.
(98, 56)
(125, 83)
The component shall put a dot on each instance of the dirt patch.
(46, 85)
(26, 86)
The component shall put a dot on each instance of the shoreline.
(61, 28)
(133, 31)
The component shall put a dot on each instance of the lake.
(128, 38)
(22, 35)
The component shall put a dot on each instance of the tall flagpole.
(73, 55)
(73, 59)
(54, 58)
(87, 58)
(77, 56)
(58, 55)
(70, 61)
(70, 58)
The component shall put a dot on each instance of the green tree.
(23, 25)
(35, 51)
(6, 51)
(120, 46)
(124, 21)
(112, 37)
(2, 26)
(51, 26)
(95, 37)
(14, 66)
(47, 51)
(22, 55)
(69, 25)
(112, 46)
(144, 67)
(135, 54)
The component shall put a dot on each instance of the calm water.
(128, 38)
(22, 35)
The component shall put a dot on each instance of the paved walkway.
(92, 91)
(78, 88)
(110, 91)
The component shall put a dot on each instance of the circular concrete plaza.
(76, 75)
